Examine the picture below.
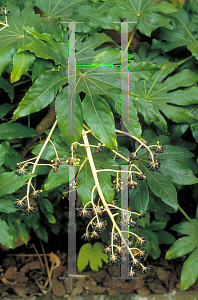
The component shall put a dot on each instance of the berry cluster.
(133, 156)
(84, 213)
(4, 11)
(22, 170)
(117, 185)
(36, 195)
(159, 148)
(22, 205)
(154, 165)
(73, 160)
(56, 163)
(131, 183)
(99, 226)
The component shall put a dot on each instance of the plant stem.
(184, 60)
(105, 204)
(184, 213)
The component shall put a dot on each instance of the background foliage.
(163, 76)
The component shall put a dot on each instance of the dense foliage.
(163, 112)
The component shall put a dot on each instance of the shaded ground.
(34, 270)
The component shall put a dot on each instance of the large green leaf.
(139, 197)
(63, 112)
(184, 33)
(10, 182)
(86, 182)
(10, 131)
(2, 155)
(39, 67)
(45, 47)
(178, 172)
(92, 255)
(49, 154)
(183, 246)
(21, 63)
(41, 93)
(6, 205)
(53, 12)
(56, 179)
(166, 97)
(100, 119)
(144, 13)
(15, 32)
(6, 53)
(5, 238)
(188, 277)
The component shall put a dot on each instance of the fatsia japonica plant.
(157, 146)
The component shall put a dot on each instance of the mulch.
(32, 271)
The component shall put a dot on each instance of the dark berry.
(100, 150)
(70, 151)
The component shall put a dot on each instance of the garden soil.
(32, 271)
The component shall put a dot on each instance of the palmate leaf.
(15, 35)
(92, 255)
(183, 246)
(41, 93)
(166, 96)
(53, 12)
(143, 13)
(184, 33)
(43, 45)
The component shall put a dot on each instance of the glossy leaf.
(91, 255)
(143, 13)
(15, 32)
(21, 63)
(39, 67)
(13, 130)
(100, 119)
(56, 179)
(189, 272)
(6, 239)
(184, 33)
(45, 47)
(139, 197)
(163, 97)
(53, 12)
(63, 111)
(177, 172)
(6, 53)
(183, 246)
(10, 182)
(41, 93)
(86, 182)
(2, 155)
(6, 205)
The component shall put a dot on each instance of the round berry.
(96, 151)
(100, 150)
(70, 151)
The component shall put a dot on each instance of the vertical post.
(124, 78)
(124, 264)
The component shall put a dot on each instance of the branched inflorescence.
(118, 246)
